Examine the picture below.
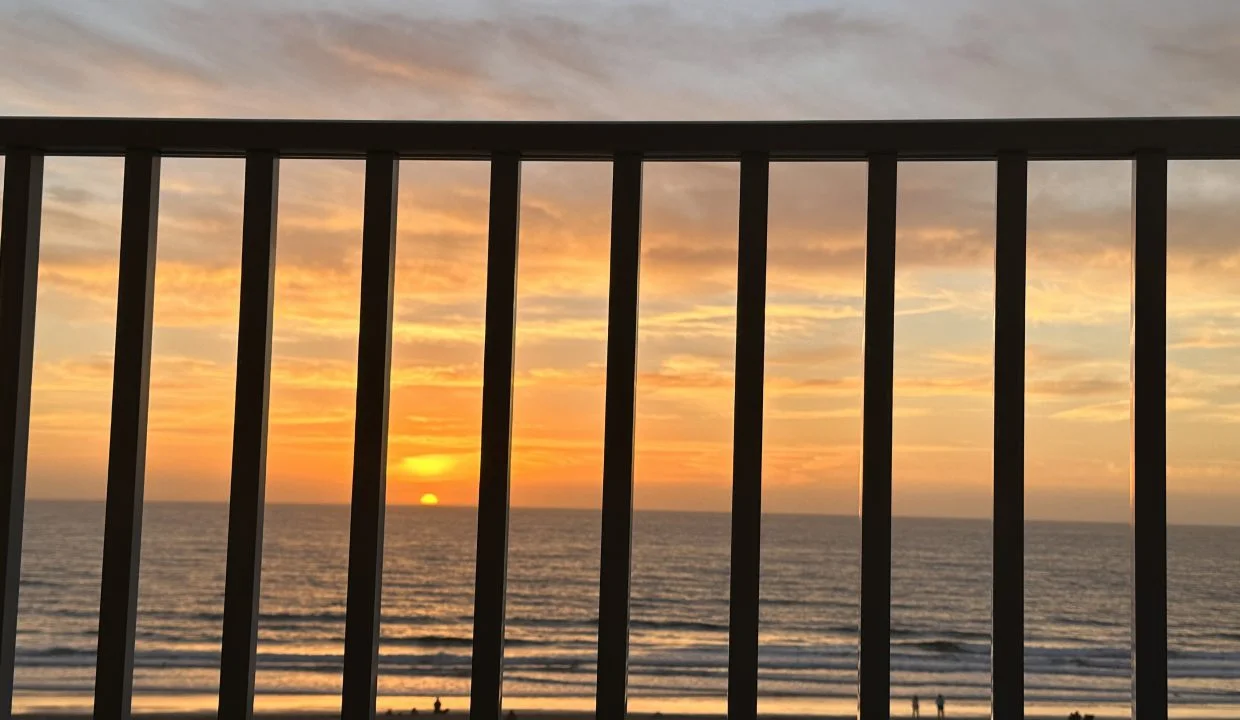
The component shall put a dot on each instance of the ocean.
(1077, 604)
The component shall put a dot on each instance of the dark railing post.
(487, 679)
(616, 554)
(366, 515)
(19, 275)
(1007, 650)
(874, 691)
(1149, 436)
(249, 449)
(122, 533)
(747, 440)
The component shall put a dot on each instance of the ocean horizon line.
(445, 506)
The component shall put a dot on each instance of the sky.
(689, 59)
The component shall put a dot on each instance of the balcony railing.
(1150, 143)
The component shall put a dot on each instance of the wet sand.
(529, 715)
(526, 715)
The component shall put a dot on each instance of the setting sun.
(430, 499)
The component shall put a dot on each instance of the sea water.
(1077, 602)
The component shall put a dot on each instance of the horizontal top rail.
(1040, 139)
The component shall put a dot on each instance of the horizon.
(620, 61)
(444, 506)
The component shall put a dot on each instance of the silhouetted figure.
(1074, 716)
(414, 712)
(940, 703)
(439, 708)
(916, 707)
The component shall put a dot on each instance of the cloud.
(688, 59)
(630, 60)
(1098, 412)
(1077, 387)
(1208, 337)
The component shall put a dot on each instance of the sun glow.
(428, 465)
(430, 499)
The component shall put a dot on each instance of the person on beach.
(939, 703)
(916, 707)
(439, 708)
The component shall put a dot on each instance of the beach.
(544, 715)
(525, 715)
(458, 710)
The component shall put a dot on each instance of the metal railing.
(883, 145)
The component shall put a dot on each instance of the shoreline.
(202, 706)
(529, 715)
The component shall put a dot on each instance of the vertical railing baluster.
(747, 439)
(1149, 436)
(19, 276)
(249, 449)
(874, 686)
(122, 533)
(616, 554)
(369, 501)
(486, 688)
(1007, 654)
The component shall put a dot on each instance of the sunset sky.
(690, 59)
